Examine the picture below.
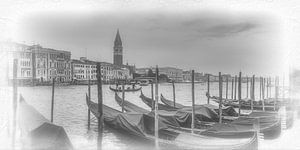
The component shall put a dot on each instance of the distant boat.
(125, 90)
(144, 82)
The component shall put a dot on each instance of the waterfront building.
(186, 76)
(51, 63)
(142, 71)
(37, 64)
(171, 72)
(85, 69)
(11, 51)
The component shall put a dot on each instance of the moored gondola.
(202, 127)
(40, 132)
(269, 122)
(142, 126)
(246, 104)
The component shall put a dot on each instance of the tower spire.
(118, 50)
(118, 40)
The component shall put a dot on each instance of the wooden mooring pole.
(89, 111)
(283, 87)
(123, 96)
(174, 98)
(220, 97)
(247, 87)
(52, 99)
(270, 90)
(267, 96)
(156, 108)
(276, 91)
(208, 87)
(15, 97)
(152, 94)
(240, 92)
(193, 101)
(263, 93)
(256, 127)
(232, 84)
(226, 87)
(260, 88)
(235, 85)
(100, 103)
(253, 91)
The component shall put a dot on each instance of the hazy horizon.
(207, 41)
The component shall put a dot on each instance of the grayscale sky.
(207, 41)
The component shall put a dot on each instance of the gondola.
(125, 90)
(201, 127)
(142, 126)
(40, 132)
(270, 124)
(246, 104)
(226, 111)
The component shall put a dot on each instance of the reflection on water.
(71, 111)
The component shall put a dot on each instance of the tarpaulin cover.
(246, 104)
(41, 132)
(226, 111)
(135, 123)
(229, 130)
(165, 116)
(182, 116)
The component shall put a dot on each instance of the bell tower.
(118, 50)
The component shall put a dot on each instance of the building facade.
(51, 64)
(84, 69)
(22, 53)
(37, 64)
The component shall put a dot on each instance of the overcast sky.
(207, 41)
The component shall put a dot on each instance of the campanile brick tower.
(118, 50)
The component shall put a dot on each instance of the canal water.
(70, 111)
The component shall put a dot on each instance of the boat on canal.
(125, 90)
(269, 122)
(142, 126)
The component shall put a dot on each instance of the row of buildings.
(178, 75)
(36, 64)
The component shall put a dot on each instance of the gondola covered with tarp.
(269, 122)
(203, 127)
(38, 132)
(142, 126)
(246, 104)
(226, 111)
